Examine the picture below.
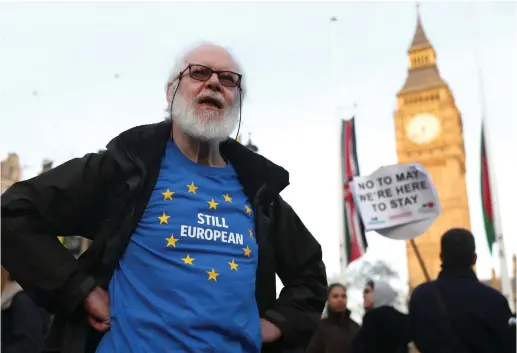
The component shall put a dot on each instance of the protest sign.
(395, 196)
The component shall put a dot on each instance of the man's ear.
(474, 259)
(169, 93)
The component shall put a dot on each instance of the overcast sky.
(74, 75)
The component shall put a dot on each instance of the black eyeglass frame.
(212, 71)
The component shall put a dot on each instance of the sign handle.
(420, 260)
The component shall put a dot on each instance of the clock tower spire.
(428, 130)
(422, 72)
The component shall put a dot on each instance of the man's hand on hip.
(97, 306)
(270, 333)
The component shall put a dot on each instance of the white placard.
(395, 196)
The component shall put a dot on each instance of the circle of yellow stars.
(212, 205)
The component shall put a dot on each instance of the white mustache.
(216, 96)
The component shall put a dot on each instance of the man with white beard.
(188, 232)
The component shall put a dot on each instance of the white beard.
(210, 125)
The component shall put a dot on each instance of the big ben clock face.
(423, 128)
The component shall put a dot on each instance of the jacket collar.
(145, 145)
(457, 272)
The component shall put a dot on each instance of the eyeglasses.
(203, 73)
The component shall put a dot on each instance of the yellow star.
(188, 260)
(212, 204)
(167, 195)
(227, 198)
(192, 188)
(171, 241)
(233, 265)
(212, 275)
(164, 218)
(251, 232)
(247, 251)
(248, 209)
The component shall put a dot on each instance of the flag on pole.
(355, 239)
(491, 213)
(486, 195)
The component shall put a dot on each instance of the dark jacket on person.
(334, 334)
(24, 324)
(384, 329)
(474, 318)
(102, 196)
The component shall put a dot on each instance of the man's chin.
(206, 131)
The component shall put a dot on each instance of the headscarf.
(383, 294)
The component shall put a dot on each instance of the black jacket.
(24, 325)
(334, 335)
(475, 319)
(384, 330)
(102, 197)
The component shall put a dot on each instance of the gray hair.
(181, 63)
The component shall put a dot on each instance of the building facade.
(429, 130)
(11, 171)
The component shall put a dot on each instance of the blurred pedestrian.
(336, 330)
(456, 312)
(24, 324)
(384, 328)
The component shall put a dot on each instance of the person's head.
(205, 89)
(336, 298)
(378, 293)
(458, 248)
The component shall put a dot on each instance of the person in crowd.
(336, 330)
(456, 312)
(188, 231)
(24, 324)
(384, 328)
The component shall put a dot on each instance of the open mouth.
(211, 102)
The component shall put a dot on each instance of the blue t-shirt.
(186, 282)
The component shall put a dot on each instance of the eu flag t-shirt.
(186, 282)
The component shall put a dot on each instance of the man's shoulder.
(427, 289)
(142, 131)
(489, 292)
(423, 292)
(423, 288)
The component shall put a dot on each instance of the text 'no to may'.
(397, 191)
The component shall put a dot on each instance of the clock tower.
(429, 131)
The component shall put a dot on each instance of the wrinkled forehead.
(214, 57)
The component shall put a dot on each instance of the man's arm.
(67, 200)
(300, 267)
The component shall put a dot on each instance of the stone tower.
(429, 130)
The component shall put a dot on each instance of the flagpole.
(343, 259)
(498, 229)
(505, 282)
(506, 289)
